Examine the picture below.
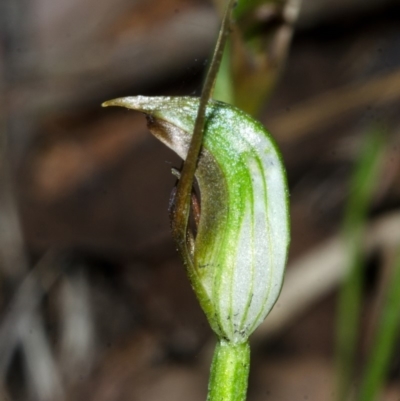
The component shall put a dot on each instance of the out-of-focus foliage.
(113, 317)
(260, 40)
(350, 298)
(385, 341)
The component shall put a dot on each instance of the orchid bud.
(240, 250)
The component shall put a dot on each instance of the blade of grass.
(349, 304)
(385, 340)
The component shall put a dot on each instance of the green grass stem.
(350, 296)
(385, 340)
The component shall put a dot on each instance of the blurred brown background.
(94, 301)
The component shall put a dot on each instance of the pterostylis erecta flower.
(236, 259)
(238, 256)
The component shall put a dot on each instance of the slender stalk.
(385, 340)
(180, 212)
(229, 372)
(350, 296)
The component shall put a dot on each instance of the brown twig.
(180, 212)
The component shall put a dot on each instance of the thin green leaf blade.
(385, 340)
(350, 296)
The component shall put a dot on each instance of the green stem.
(350, 296)
(229, 372)
(385, 341)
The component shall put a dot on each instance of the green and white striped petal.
(242, 241)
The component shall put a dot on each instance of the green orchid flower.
(237, 259)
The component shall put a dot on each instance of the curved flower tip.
(241, 246)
